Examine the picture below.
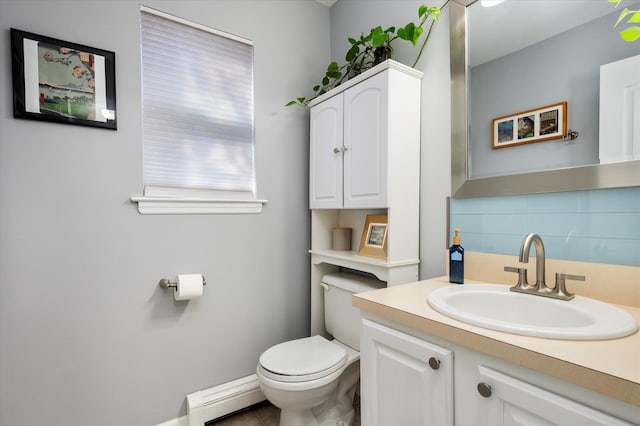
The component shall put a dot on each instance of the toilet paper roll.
(189, 287)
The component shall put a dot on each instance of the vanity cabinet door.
(326, 147)
(509, 401)
(404, 380)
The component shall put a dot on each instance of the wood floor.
(265, 414)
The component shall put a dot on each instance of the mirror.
(465, 184)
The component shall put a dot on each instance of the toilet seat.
(302, 360)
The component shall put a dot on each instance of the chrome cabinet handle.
(484, 389)
(434, 363)
(336, 150)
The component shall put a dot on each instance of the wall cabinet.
(365, 141)
(476, 389)
(365, 159)
(404, 380)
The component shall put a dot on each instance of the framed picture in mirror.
(535, 125)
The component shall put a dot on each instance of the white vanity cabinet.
(365, 160)
(399, 387)
(404, 380)
(506, 400)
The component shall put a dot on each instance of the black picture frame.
(63, 82)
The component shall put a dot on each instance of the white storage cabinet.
(365, 159)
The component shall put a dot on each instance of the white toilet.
(313, 380)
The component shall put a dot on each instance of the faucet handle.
(522, 276)
(560, 290)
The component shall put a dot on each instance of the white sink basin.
(494, 306)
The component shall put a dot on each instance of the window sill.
(154, 205)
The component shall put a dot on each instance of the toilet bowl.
(313, 380)
(317, 392)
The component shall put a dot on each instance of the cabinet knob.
(484, 389)
(434, 363)
(336, 150)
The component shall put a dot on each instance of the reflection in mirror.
(523, 64)
(504, 80)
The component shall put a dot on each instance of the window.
(198, 133)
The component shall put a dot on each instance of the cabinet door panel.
(515, 402)
(326, 143)
(398, 386)
(365, 140)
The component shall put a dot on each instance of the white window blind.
(197, 107)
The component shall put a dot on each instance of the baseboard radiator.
(224, 399)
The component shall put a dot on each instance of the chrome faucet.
(540, 288)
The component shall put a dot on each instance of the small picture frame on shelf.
(374, 237)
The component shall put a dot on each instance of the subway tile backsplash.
(600, 226)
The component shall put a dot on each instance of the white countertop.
(610, 367)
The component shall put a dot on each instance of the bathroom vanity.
(420, 367)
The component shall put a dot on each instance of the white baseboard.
(180, 421)
(221, 400)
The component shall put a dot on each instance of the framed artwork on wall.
(61, 81)
(536, 125)
(373, 242)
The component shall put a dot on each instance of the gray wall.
(86, 335)
(563, 68)
(348, 19)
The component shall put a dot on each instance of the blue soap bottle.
(456, 260)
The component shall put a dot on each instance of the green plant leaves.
(434, 12)
(635, 16)
(378, 37)
(298, 101)
(631, 33)
(333, 71)
(360, 56)
(352, 53)
(410, 33)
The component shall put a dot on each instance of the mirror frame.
(612, 175)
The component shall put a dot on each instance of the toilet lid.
(311, 356)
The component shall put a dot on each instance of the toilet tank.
(341, 319)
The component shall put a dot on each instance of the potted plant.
(371, 49)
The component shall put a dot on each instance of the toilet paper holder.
(165, 283)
